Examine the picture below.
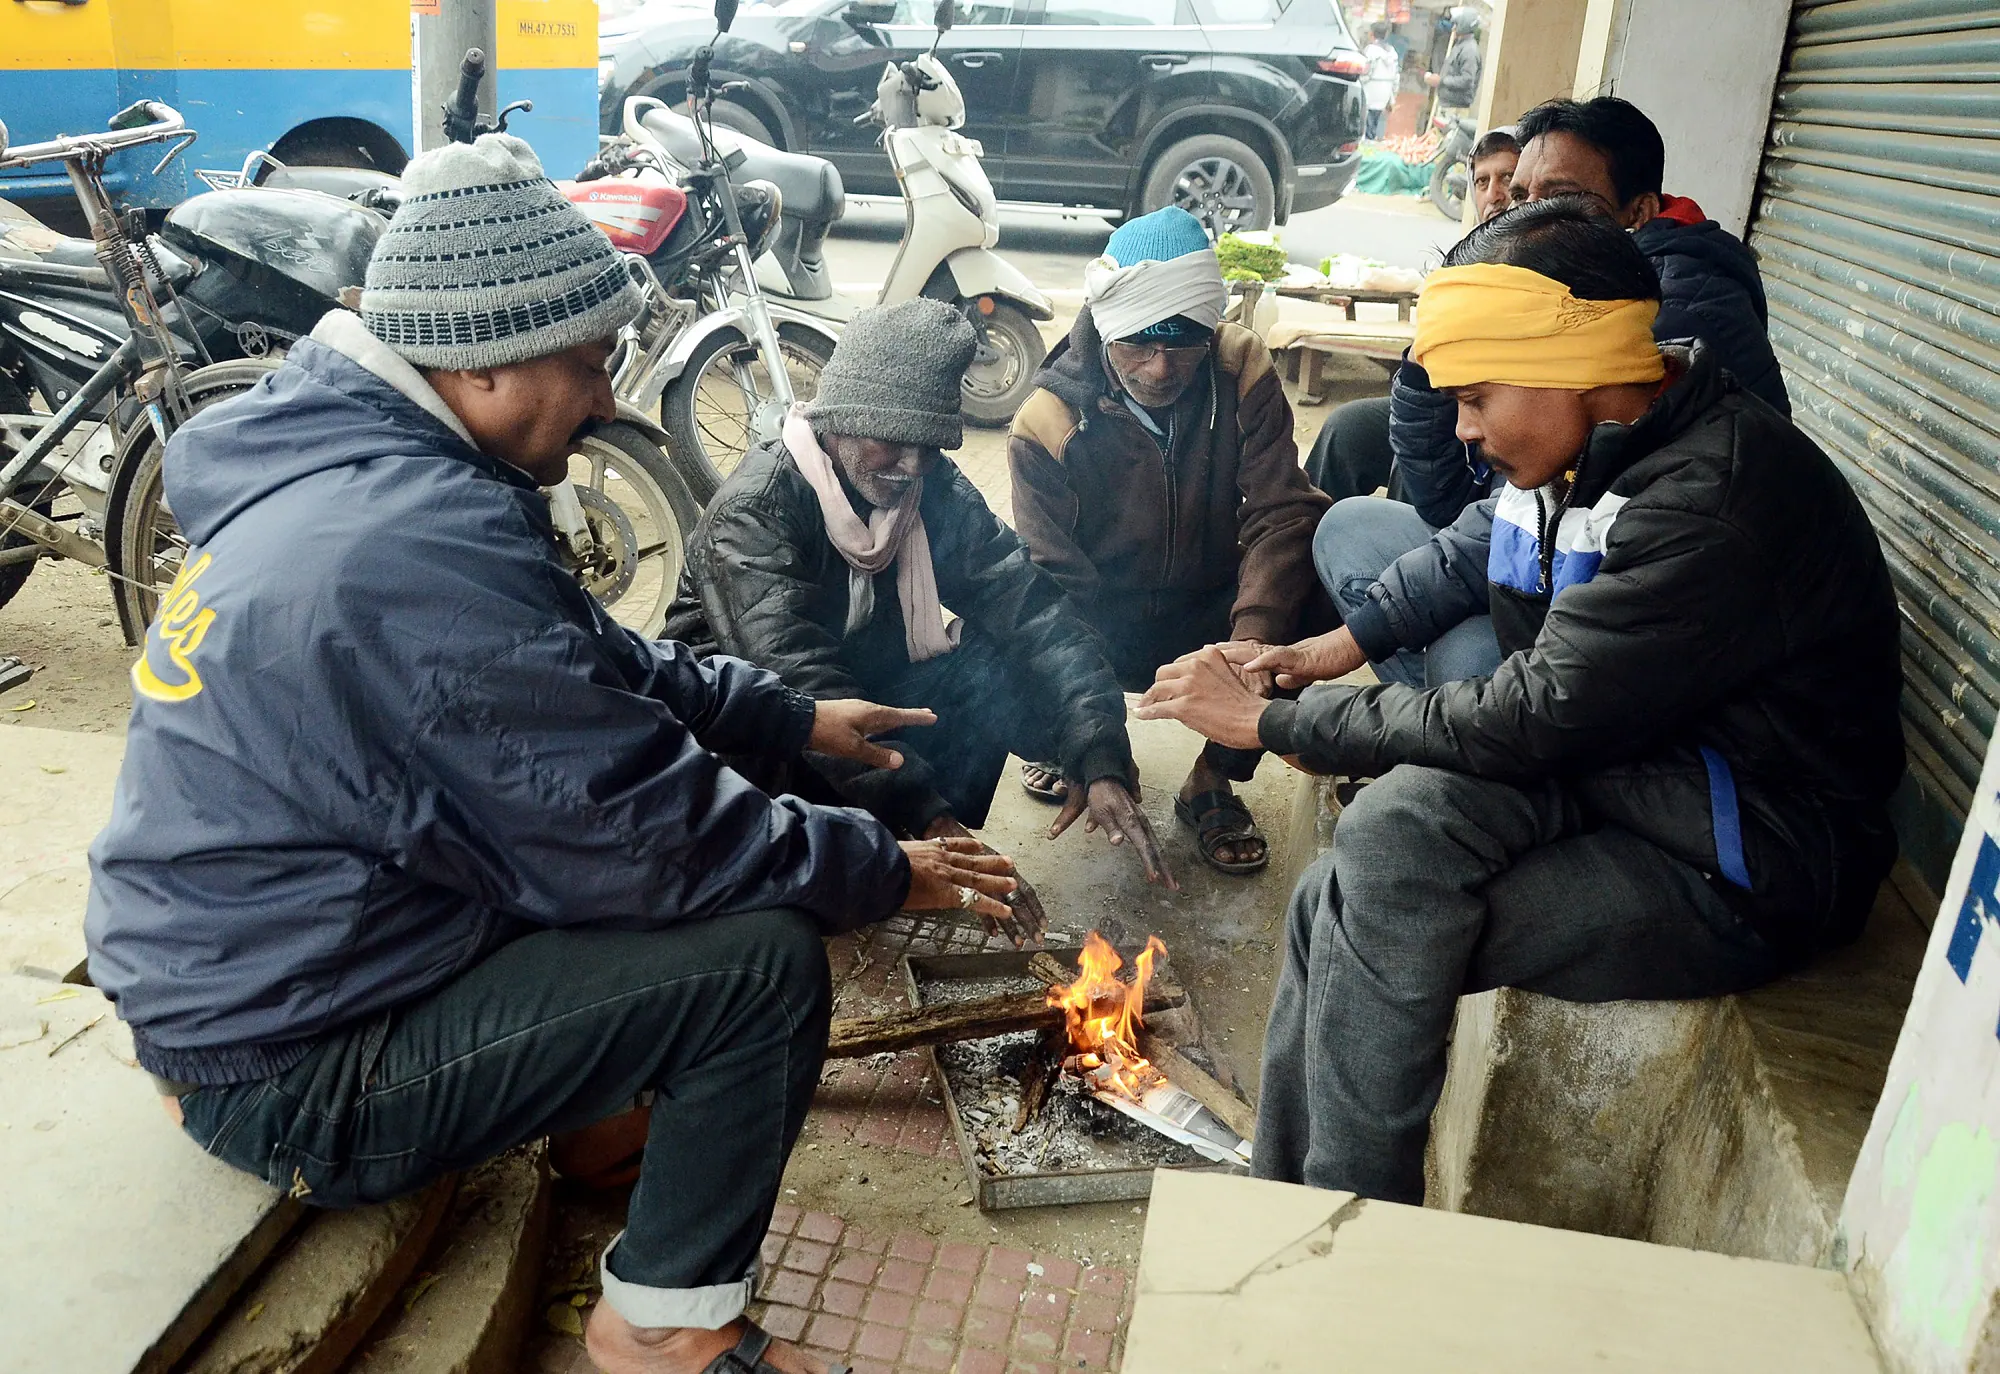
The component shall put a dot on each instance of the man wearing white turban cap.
(1156, 477)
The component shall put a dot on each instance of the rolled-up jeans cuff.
(709, 1308)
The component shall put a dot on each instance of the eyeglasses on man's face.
(1138, 355)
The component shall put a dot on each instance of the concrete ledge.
(313, 1304)
(468, 1312)
(1728, 1124)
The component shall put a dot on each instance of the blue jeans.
(1356, 541)
(724, 1020)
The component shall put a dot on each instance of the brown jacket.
(1132, 534)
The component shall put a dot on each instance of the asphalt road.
(1401, 231)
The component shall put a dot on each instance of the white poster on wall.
(1922, 1217)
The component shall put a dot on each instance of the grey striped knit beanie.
(897, 375)
(486, 264)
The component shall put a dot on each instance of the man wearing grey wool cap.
(829, 557)
(416, 854)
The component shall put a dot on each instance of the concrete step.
(466, 1311)
(315, 1301)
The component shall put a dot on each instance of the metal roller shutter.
(1878, 222)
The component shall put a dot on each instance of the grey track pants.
(1440, 884)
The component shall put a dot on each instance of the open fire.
(1104, 1014)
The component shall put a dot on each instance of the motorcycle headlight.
(759, 203)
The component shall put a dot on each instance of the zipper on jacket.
(1545, 529)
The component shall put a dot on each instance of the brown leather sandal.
(748, 1356)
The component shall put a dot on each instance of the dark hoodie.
(379, 731)
(1134, 532)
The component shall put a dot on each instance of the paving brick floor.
(908, 1304)
(905, 1303)
(886, 1100)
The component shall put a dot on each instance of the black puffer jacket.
(1704, 642)
(1710, 290)
(763, 582)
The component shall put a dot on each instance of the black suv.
(1244, 111)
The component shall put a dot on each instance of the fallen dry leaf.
(562, 1318)
(52, 768)
(60, 995)
(256, 1311)
(27, 705)
(23, 1035)
(418, 1289)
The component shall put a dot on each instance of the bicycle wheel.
(710, 408)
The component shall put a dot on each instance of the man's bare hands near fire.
(1025, 920)
(842, 728)
(959, 873)
(1206, 692)
(1116, 812)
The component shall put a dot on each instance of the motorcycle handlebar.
(146, 121)
(471, 72)
(461, 115)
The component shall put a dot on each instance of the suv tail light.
(1347, 66)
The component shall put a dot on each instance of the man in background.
(1384, 66)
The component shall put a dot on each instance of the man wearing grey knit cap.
(416, 854)
(829, 557)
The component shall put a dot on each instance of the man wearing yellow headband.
(1675, 784)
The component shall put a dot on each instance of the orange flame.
(1104, 1015)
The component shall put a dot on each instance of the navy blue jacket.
(378, 731)
(1710, 290)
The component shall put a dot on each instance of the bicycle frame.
(147, 363)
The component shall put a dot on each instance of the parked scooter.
(721, 359)
(1451, 170)
(950, 225)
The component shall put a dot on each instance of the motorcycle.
(951, 222)
(1451, 170)
(714, 352)
(242, 273)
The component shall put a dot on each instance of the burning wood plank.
(854, 1037)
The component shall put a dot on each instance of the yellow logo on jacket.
(177, 631)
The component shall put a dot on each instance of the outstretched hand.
(842, 728)
(953, 873)
(1116, 812)
(1025, 920)
(1319, 659)
(1206, 692)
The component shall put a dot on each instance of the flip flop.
(748, 1356)
(1219, 818)
(1052, 792)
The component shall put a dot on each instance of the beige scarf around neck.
(890, 536)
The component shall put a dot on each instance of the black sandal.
(748, 1356)
(1219, 818)
(1053, 791)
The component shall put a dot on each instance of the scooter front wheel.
(1003, 371)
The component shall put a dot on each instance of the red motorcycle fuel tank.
(635, 213)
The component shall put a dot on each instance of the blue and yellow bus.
(311, 81)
